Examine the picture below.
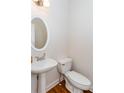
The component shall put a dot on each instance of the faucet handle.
(36, 57)
(44, 55)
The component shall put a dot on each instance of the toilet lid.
(77, 77)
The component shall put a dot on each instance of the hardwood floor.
(62, 89)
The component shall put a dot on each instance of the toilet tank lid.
(65, 60)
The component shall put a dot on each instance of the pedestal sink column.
(41, 68)
(42, 83)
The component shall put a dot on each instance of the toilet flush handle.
(63, 64)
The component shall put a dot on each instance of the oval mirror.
(39, 34)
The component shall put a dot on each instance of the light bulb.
(46, 3)
(35, 0)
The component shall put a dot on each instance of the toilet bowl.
(74, 81)
(77, 82)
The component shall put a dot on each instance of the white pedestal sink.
(40, 68)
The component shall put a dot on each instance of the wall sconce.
(44, 3)
(38, 2)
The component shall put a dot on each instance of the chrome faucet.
(40, 58)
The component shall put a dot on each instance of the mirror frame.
(43, 19)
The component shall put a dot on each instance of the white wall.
(81, 40)
(70, 26)
(56, 17)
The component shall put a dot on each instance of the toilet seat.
(78, 80)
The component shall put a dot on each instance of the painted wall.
(70, 27)
(81, 36)
(56, 17)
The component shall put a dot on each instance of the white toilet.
(75, 82)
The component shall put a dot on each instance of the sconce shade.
(44, 3)
(38, 2)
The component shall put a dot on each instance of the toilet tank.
(64, 65)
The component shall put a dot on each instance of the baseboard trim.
(53, 84)
(91, 89)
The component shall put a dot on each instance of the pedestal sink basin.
(40, 68)
(43, 66)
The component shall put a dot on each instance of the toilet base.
(71, 88)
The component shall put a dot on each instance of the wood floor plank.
(61, 89)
